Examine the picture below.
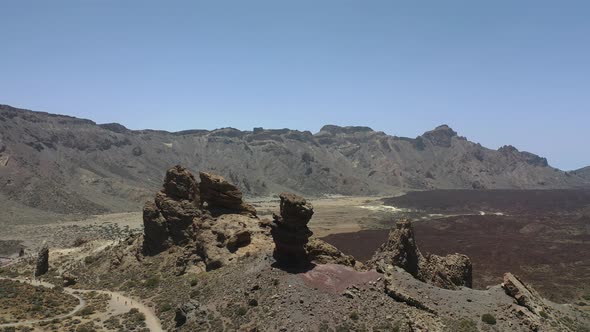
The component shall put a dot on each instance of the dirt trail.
(118, 304)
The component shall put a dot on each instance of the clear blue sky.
(499, 72)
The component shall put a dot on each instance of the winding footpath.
(118, 304)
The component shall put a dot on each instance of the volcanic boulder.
(42, 265)
(324, 253)
(221, 196)
(290, 232)
(401, 250)
(69, 279)
(447, 271)
(169, 219)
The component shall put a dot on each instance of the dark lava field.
(540, 235)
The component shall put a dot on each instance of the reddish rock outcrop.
(401, 250)
(290, 232)
(222, 196)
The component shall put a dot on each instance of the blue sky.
(498, 72)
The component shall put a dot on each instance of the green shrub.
(86, 311)
(544, 314)
(194, 282)
(488, 319)
(36, 308)
(354, 315)
(166, 307)
(152, 282)
(194, 293)
(241, 311)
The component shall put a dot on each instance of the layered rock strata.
(221, 196)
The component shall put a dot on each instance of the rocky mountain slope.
(67, 165)
(583, 173)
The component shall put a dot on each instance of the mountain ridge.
(65, 164)
(583, 172)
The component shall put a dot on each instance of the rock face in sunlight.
(209, 221)
(42, 265)
(222, 196)
(321, 252)
(169, 219)
(290, 232)
(181, 184)
(400, 250)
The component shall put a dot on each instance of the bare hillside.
(583, 173)
(68, 165)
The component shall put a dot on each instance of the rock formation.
(290, 232)
(190, 310)
(181, 184)
(401, 250)
(523, 294)
(223, 239)
(42, 265)
(529, 306)
(448, 271)
(212, 234)
(169, 219)
(324, 253)
(222, 196)
(69, 279)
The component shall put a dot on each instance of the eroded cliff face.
(69, 165)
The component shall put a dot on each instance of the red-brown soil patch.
(336, 278)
